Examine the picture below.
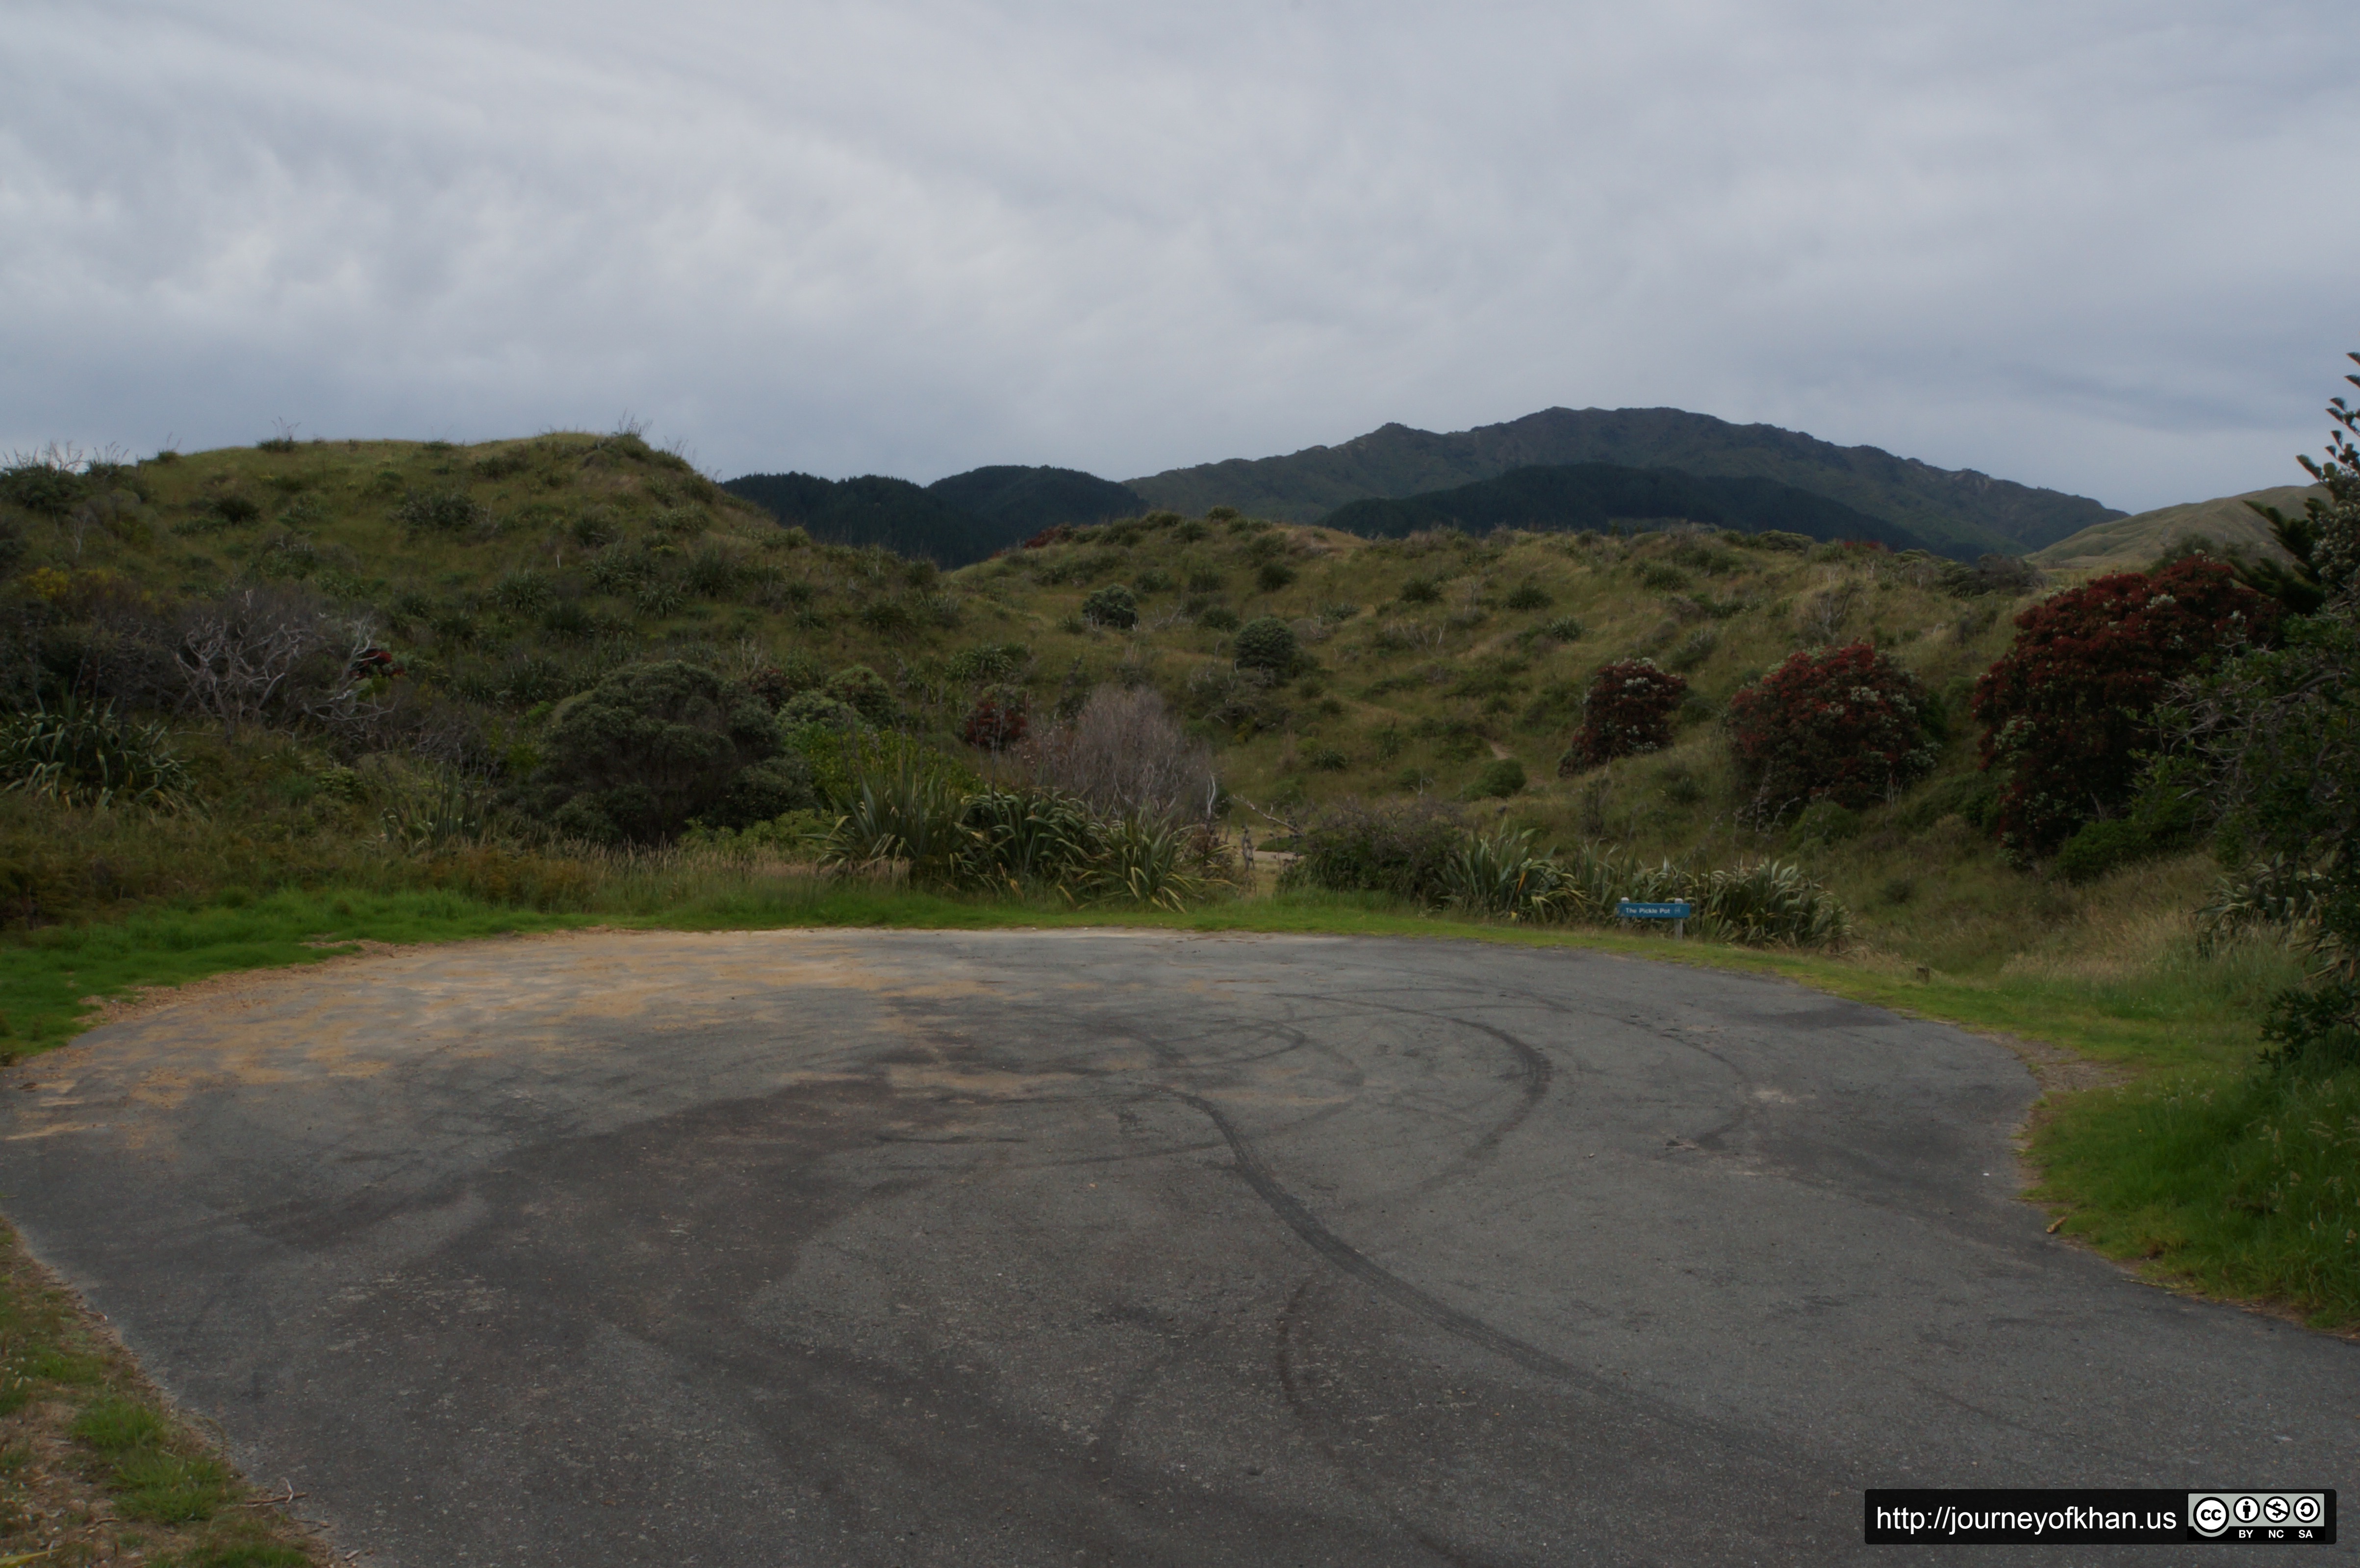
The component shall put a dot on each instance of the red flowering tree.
(997, 722)
(1628, 709)
(1846, 725)
(2069, 710)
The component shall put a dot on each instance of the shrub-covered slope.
(505, 577)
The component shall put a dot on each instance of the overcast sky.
(2102, 247)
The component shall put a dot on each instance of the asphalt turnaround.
(1066, 1248)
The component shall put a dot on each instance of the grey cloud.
(2085, 246)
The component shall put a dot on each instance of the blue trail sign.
(1630, 909)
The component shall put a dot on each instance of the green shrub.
(2098, 847)
(1267, 643)
(1823, 823)
(816, 709)
(1421, 591)
(711, 574)
(1498, 875)
(521, 592)
(1499, 780)
(1217, 618)
(440, 512)
(1272, 575)
(863, 690)
(1564, 628)
(647, 749)
(1113, 605)
(1399, 848)
(1326, 759)
(1530, 596)
(40, 487)
(79, 754)
(989, 662)
(1971, 796)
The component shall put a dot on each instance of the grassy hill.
(1602, 495)
(1958, 512)
(508, 575)
(2129, 544)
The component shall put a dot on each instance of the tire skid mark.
(1534, 1073)
(1375, 1275)
(1300, 1405)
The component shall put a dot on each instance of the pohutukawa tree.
(2070, 711)
(1627, 709)
(1846, 725)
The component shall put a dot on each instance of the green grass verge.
(2211, 1175)
(94, 1467)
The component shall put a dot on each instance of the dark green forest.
(1602, 496)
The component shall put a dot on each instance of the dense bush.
(1396, 847)
(77, 754)
(816, 708)
(863, 690)
(1113, 605)
(40, 485)
(1423, 852)
(1627, 709)
(440, 512)
(922, 821)
(1990, 574)
(1498, 781)
(652, 747)
(1267, 643)
(1845, 725)
(2070, 711)
(1530, 597)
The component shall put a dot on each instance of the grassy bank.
(94, 1467)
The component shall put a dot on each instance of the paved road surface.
(1078, 1249)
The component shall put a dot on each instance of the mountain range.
(1560, 467)
(1956, 511)
(956, 521)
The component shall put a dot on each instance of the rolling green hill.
(1600, 495)
(2130, 544)
(1957, 512)
(506, 576)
